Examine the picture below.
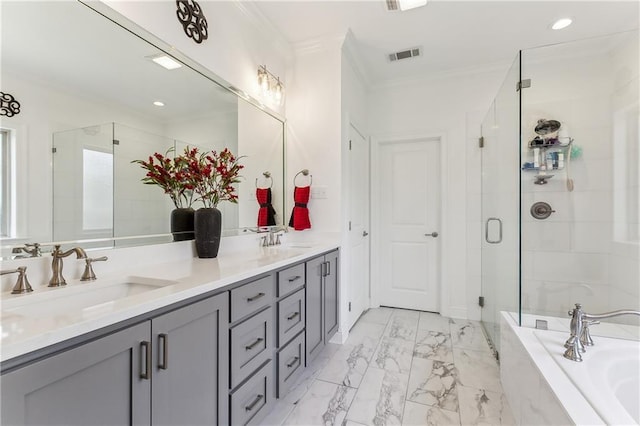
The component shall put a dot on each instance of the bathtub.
(543, 387)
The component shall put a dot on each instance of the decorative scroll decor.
(192, 19)
(9, 106)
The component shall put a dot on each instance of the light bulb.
(278, 92)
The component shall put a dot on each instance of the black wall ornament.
(9, 106)
(192, 19)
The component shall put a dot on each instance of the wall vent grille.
(392, 5)
(405, 54)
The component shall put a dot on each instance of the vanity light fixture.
(411, 4)
(165, 61)
(270, 85)
(561, 23)
(159, 103)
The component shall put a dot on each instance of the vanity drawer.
(291, 317)
(251, 297)
(290, 279)
(251, 345)
(290, 364)
(251, 402)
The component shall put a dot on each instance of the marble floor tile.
(403, 326)
(377, 315)
(393, 355)
(468, 334)
(278, 414)
(433, 382)
(365, 333)
(477, 369)
(324, 404)
(407, 313)
(483, 407)
(348, 365)
(433, 345)
(380, 398)
(433, 322)
(424, 415)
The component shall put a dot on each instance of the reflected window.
(627, 174)
(97, 190)
(6, 183)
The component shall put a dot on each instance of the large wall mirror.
(90, 94)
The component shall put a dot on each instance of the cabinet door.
(330, 296)
(314, 329)
(190, 379)
(98, 383)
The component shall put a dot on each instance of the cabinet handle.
(254, 403)
(323, 269)
(145, 360)
(293, 362)
(328, 268)
(253, 345)
(292, 316)
(297, 277)
(256, 297)
(165, 351)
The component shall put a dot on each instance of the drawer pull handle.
(253, 345)
(256, 297)
(254, 403)
(293, 362)
(145, 360)
(292, 316)
(165, 351)
(296, 278)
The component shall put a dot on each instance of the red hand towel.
(266, 213)
(300, 214)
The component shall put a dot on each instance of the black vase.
(208, 227)
(182, 224)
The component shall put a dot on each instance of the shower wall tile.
(571, 267)
(546, 236)
(593, 206)
(591, 237)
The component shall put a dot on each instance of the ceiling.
(454, 35)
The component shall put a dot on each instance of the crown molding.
(317, 44)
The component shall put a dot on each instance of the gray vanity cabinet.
(322, 302)
(189, 344)
(98, 383)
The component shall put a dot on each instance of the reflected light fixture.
(165, 61)
(561, 23)
(159, 103)
(411, 4)
(270, 85)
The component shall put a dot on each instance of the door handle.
(164, 349)
(365, 233)
(486, 231)
(433, 234)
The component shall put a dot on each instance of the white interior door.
(358, 290)
(409, 224)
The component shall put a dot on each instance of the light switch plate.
(319, 192)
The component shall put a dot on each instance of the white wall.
(434, 106)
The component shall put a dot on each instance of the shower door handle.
(486, 231)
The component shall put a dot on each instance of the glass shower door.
(500, 205)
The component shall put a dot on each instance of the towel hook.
(304, 172)
(267, 175)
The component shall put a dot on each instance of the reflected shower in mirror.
(93, 98)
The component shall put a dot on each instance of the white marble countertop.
(23, 333)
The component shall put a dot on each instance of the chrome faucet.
(580, 336)
(88, 274)
(56, 265)
(33, 250)
(22, 283)
(273, 238)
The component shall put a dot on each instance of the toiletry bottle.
(536, 158)
(549, 161)
(561, 160)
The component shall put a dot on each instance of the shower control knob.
(433, 234)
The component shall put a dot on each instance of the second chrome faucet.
(56, 264)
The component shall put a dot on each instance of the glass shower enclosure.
(561, 186)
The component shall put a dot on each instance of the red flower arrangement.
(170, 174)
(208, 176)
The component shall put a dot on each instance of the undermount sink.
(87, 297)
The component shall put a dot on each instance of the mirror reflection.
(87, 110)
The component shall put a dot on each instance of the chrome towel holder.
(304, 172)
(267, 176)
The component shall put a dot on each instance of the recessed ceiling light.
(411, 4)
(165, 61)
(158, 103)
(561, 23)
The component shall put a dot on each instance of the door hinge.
(349, 144)
(349, 306)
(116, 142)
(481, 142)
(54, 150)
(523, 84)
(481, 301)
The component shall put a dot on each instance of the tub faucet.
(580, 335)
(56, 265)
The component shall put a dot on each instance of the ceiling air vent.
(392, 5)
(405, 54)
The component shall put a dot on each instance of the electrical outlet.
(319, 192)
